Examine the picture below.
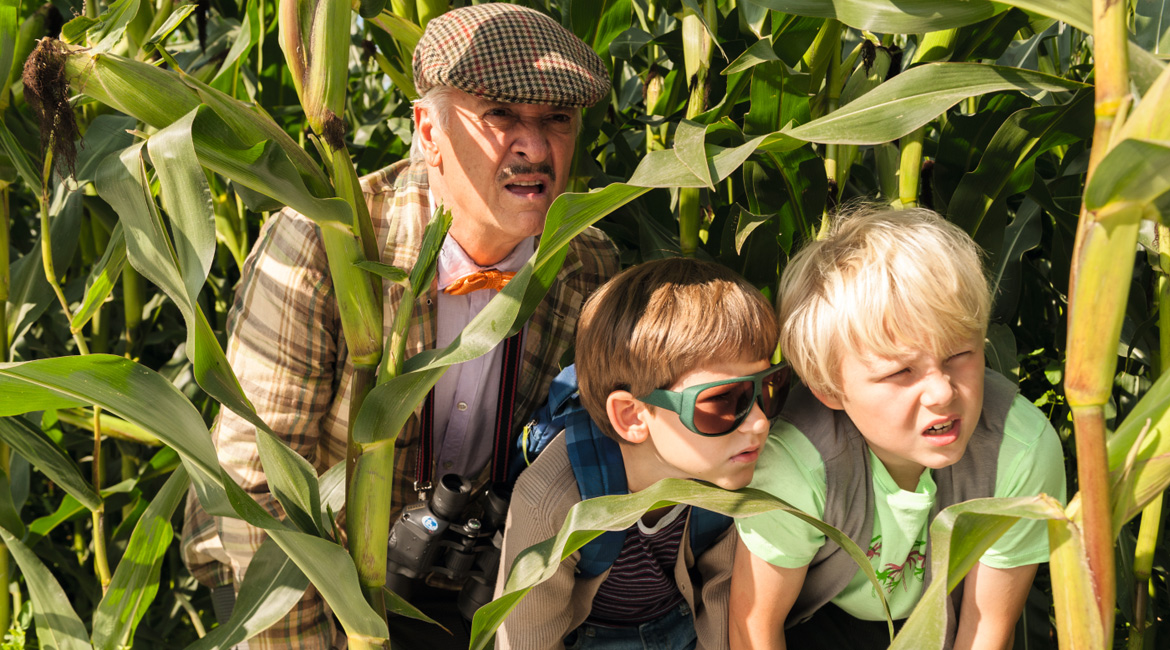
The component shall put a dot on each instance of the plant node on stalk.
(333, 130)
(47, 92)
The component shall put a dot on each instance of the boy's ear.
(626, 416)
(834, 403)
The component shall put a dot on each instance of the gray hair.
(437, 101)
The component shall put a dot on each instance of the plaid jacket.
(287, 349)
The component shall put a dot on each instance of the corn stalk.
(697, 54)
(315, 39)
(1103, 264)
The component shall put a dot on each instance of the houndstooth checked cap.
(508, 53)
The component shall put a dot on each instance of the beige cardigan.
(546, 615)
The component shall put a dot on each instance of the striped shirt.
(640, 586)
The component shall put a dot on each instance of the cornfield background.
(733, 128)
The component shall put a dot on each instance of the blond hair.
(882, 282)
(654, 322)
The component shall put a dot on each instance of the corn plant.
(734, 127)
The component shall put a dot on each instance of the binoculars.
(451, 540)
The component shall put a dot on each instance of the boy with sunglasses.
(884, 321)
(674, 372)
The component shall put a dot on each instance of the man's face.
(501, 165)
(915, 412)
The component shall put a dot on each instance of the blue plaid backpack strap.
(598, 467)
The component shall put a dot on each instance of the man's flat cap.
(508, 53)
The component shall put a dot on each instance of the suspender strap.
(513, 349)
(506, 405)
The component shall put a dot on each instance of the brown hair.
(657, 321)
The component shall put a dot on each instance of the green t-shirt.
(1030, 462)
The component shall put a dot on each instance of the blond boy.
(644, 338)
(884, 321)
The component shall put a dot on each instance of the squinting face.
(727, 461)
(501, 166)
(915, 412)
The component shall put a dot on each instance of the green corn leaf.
(406, 33)
(106, 381)
(18, 157)
(136, 580)
(178, 15)
(1134, 171)
(890, 16)
(159, 407)
(959, 536)
(9, 513)
(58, 627)
(9, 30)
(689, 146)
(1139, 454)
(40, 527)
(917, 96)
(112, 24)
(1078, 619)
(386, 271)
(247, 36)
(187, 200)
(44, 454)
(761, 51)
(1005, 166)
(100, 283)
(1021, 236)
(592, 517)
(272, 586)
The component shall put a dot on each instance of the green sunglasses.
(716, 408)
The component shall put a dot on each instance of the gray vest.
(849, 498)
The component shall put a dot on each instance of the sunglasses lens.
(773, 392)
(720, 409)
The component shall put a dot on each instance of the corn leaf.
(890, 16)
(1143, 440)
(1134, 171)
(1078, 620)
(44, 454)
(29, 292)
(173, 21)
(917, 96)
(58, 627)
(160, 408)
(1004, 167)
(689, 146)
(592, 517)
(136, 580)
(959, 536)
(272, 586)
(100, 283)
(9, 29)
(9, 512)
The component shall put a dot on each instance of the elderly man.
(494, 135)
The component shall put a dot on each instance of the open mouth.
(526, 188)
(940, 429)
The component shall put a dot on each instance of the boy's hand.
(761, 596)
(992, 602)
